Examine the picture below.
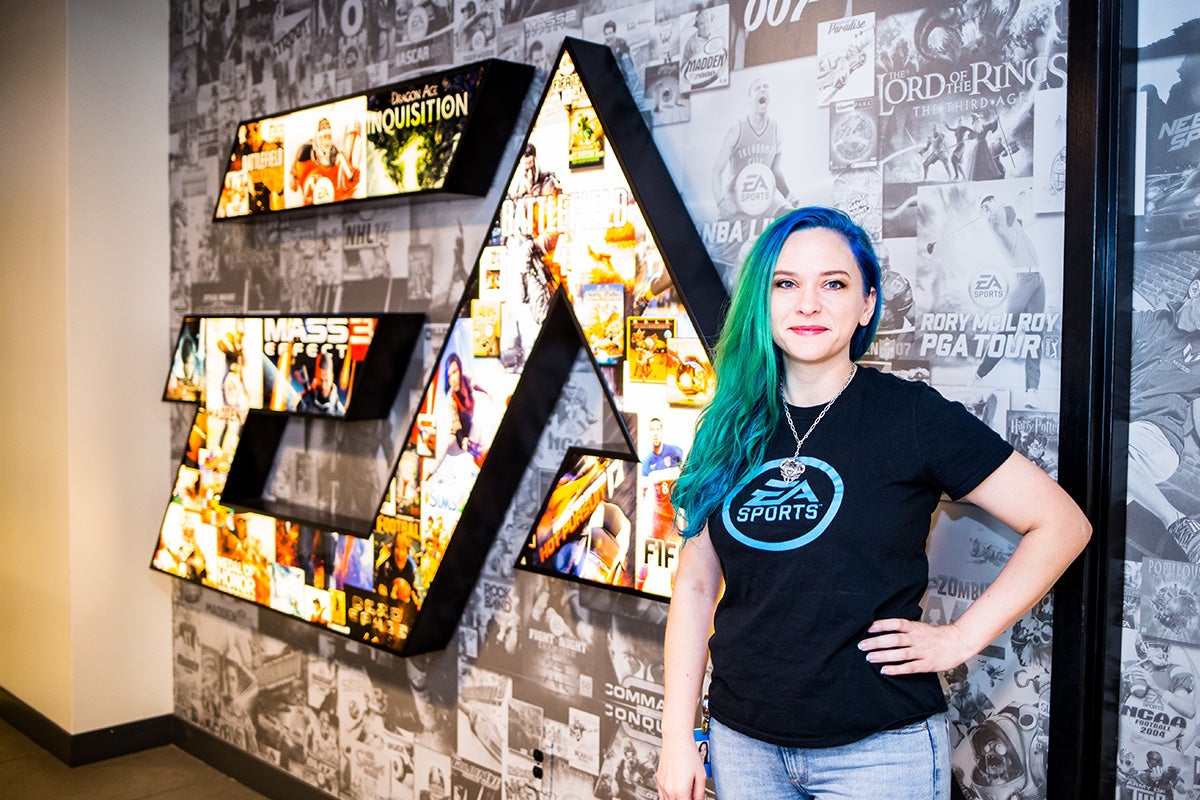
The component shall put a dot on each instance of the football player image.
(1157, 683)
(322, 172)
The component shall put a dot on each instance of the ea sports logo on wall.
(755, 189)
(988, 289)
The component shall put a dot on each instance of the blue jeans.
(909, 763)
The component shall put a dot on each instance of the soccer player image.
(660, 468)
(1164, 412)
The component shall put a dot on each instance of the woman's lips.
(808, 330)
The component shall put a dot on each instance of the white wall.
(83, 304)
(118, 257)
(34, 595)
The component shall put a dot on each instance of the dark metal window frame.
(1097, 307)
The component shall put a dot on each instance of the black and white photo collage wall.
(1159, 753)
(939, 126)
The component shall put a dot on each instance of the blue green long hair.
(732, 433)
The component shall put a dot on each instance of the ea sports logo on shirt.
(767, 513)
(755, 188)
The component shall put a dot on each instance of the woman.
(461, 391)
(808, 520)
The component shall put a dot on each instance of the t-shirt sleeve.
(958, 449)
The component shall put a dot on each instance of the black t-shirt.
(809, 566)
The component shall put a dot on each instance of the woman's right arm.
(698, 583)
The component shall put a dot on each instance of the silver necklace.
(790, 469)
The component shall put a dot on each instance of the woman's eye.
(784, 284)
(835, 285)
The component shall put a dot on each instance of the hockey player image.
(322, 172)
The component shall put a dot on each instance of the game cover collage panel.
(940, 126)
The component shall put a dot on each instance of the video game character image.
(461, 391)
(322, 395)
(936, 151)
(973, 155)
(747, 179)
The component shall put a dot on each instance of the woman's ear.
(868, 308)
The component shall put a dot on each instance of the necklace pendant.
(790, 469)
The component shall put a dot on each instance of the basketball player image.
(747, 178)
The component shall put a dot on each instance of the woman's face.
(453, 375)
(817, 299)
